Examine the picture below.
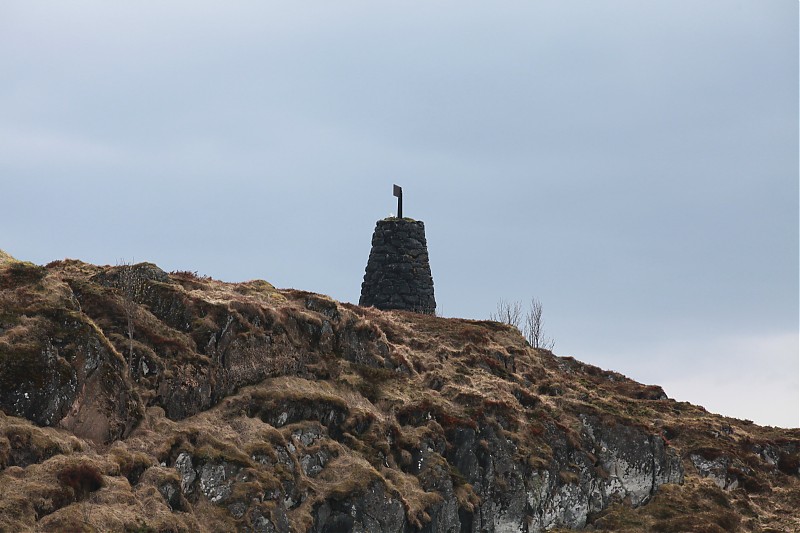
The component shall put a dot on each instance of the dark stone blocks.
(398, 274)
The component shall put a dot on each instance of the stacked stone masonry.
(398, 272)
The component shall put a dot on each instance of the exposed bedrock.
(419, 457)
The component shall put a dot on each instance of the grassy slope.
(442, 373)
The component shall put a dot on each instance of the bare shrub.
(189, 275)
(508, 313)
(533, 327)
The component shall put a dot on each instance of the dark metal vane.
(398, 191)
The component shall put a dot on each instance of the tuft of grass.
(373, 379)
(5, 257)
(82, 478)
(140, 527)
(132, 464)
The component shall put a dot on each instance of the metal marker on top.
(398, 191)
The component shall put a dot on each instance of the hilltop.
(140, 400)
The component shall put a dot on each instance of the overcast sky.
(634, 165)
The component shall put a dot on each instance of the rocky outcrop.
(56, 367)
(507, 493)
(629, 465)
(245, 408)
(398, 274)
(369, 511)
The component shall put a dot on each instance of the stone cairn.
(398, 272)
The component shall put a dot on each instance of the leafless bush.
(531, 324)
(533, 327)
(508, 313)
(189, 275)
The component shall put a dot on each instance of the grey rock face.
(583, 474)
(398, 274)
(717, 470)
(172, 495)
(63, 375)
(372, 511)
(312, 464)
(516, 498)
(183, 464)
(637, 463)
(611, 464)
(216, 480)
(49, 387)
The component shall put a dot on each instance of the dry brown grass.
(697, 506)
(408, 380)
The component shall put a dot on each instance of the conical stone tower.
(398, 272)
